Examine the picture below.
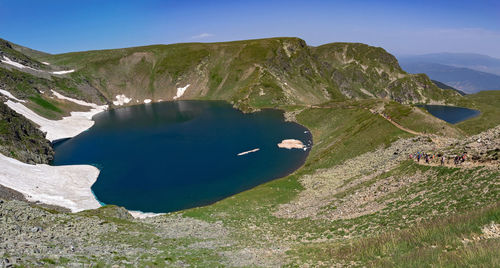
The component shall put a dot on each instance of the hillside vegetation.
(357, 201)
(252, 74)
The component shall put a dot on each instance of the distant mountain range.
(467, 72)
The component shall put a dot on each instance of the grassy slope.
(29, 87)
(342, 130)
(17, 54)
(401, 234)
(488, 102)
(431, 232)
(418, 119)
(437, 242)
(448, 208)
(228, 71)
(341, 134)
(252, 73)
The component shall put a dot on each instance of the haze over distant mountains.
(465, 71)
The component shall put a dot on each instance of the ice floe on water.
(180, 91)
(247, 152)
(292, 144)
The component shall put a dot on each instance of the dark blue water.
(170, 156)
(451, 114)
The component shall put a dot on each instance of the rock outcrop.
(21, 139)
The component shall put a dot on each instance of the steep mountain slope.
(467, 80)
(253, 73)
(361, 71)
(21, 139)
(357, 201)
(366, 203)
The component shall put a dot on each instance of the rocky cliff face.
(362, 71)
(21, 139)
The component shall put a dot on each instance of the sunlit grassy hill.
(251, 73)
(357, 201)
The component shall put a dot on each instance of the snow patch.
(15, 64)
(121, 100)
(63, 72)
(21, 66)
(67, 127)
(80, 102)
(67, 186)
(147, 101)
(9, 95)
(366, 92)
(180, 91)
(143, 215)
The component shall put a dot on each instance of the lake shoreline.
(450, 114)
(75, 152)
(61, 196)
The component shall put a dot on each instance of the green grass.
(487, 102)
(285, 69)
(436, 242)
(4, 127)
(418, 119)
(400, 234)
(40, 101)
(351, 127)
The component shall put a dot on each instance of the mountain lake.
(169, 156)
(451, 114)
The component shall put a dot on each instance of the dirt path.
(383, 116)
(401, 127)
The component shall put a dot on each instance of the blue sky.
(401, 27)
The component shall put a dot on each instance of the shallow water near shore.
(169, 156)
(451, 114)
